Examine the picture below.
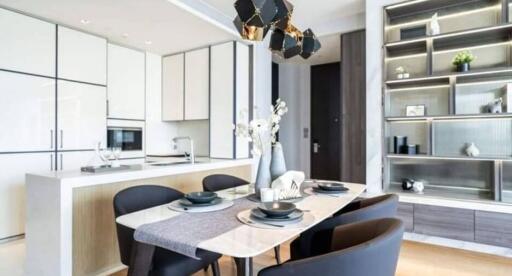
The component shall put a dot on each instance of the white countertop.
(76, 178)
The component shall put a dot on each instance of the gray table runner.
(184, 232)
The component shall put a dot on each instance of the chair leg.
(215, 268)
(277, 252)
(205, 269)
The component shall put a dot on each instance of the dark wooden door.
(325, 121)
(353, 106)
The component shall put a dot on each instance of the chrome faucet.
(191, 157)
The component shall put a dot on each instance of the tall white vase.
(263, 178)
(277, 164)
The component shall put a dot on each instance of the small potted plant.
(463, 60)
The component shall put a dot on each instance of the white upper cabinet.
(82, 57)
(126, 83)
(173, 88)
(27, 112)
(82, 121)
(229, 96)
(28, 44)
(222, 101)
(197, 84)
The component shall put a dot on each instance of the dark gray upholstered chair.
(368, 248)
(164, 262)
(317, 240)
(217, 182)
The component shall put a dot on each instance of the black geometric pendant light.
(310, 44)
(256, 17)
(286, 43)
(284, 14)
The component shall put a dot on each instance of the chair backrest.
(358, 249)
(217, 182)
(319, 238)
(134, 199)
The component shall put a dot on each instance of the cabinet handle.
(51, 162)
(108, 107)
(61, 139)
(61, 162)
(51, 138)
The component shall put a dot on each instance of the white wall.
(158, 134)
(295, 88)
(197, 130)
(262, 70)
(374, 130)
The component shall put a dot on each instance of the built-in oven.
(126, 138)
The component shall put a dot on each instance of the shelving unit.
(455, 102)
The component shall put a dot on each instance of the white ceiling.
(169, 28)
(172, 28)
(307, 13)
(322, 16)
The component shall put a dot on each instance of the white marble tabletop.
(247, 241)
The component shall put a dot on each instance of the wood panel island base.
(70, 227)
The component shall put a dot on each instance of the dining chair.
(358, 249)
(317, 240)
(217, 182)
(164, 262)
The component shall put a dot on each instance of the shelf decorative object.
(472, 150)
(434, 27)
(399, 142)
(257, 17)
(462, 61)
(415, 110)
(401, 73)
(495, 106)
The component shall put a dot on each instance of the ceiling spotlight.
(310, 44)
(286, 43)
(85, 21)
(148, 42)
(125, 35)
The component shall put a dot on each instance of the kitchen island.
(70, 227)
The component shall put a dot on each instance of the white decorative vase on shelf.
(277, 164)
(435, 28)
(472, 150)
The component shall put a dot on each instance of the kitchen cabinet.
(28, 44)
(229, 95)
(27, 112)
(173, 88)
(74, 160)
(126, 83)
(446, 222)
(82, 121)
(12, 188)
(82, 57)
(197, 86)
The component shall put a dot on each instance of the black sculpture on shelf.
(256, 17)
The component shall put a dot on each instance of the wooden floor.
(416, 259)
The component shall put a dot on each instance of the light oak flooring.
(416, 259)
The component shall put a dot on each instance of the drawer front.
(405, 212)
(493, 228)
(445, 222)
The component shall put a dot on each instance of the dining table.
(245, 241)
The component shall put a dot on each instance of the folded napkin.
(285, 183)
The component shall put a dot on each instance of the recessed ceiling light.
(148, 42)
(85, 21)
(125, 35)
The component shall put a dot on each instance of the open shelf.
(444, 76)
(456, 103)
